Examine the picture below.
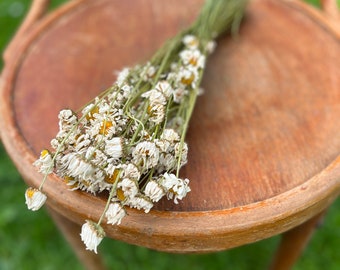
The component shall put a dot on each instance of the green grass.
(30, 240)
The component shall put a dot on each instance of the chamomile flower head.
(145, 155)
(191, 42)
(170, 135)
(193, 58)
(115, 213)
(122, 76)
(149, 71)
(91, 234)
(67, 119)
(176, 188)
(114, 147)
(132, 172)
(35, 199)
(127, 188)
(155, 97)
(154, 191)
(45, 162)
(140, 202)
(165, 88)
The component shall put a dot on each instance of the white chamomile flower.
(181, 150)
(176, 188)
(167, 162)
(67, 118)
(81, 168)
(187, 77)
(115, 213)
(122, 76)
(82, 142)
(128, 187)
(155, 97)
(154, 191)
(45, 162)
(179, 94)
(191, 42)
(91, 234)
(35, 199)
(148, 72)
(170, 135)
(157, 113)
(140, 202)
(145, 154)
(193, 58)
(131, 172)
(163, 145)
(114, 147)
(165, 88)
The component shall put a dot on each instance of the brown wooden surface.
(263, 142)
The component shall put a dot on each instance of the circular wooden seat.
(264, 140)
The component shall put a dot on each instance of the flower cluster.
(129, 141)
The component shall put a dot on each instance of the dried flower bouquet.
(129, 141)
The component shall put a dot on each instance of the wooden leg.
(293, 243)
(71, 232)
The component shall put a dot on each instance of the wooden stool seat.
(264, 139)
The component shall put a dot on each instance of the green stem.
(113, 189)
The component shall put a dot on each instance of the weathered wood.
(263, 142)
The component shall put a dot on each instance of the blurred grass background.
(29, 240)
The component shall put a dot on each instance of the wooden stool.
(263, 142)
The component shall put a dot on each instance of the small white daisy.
(45, 162)
(193, 58)
(155, 97)
(140, 202)
(91, 234)
(131, 171)
(175, 187)
(129, 187)
(165, 88)
(190, 41)
(122, 76)
(115, 213)
(170, 135)
(157, 113)
(35, 199)
(114, 147)
(145, 154)
(154, 191)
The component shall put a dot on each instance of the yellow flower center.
(89, 115)
(30, 192)
(188, 80)
(193, 61)
(120, 194)
(114, 177)
(104, 129)
(68, 179)
(44, 153)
